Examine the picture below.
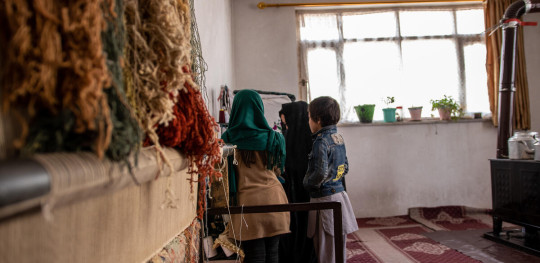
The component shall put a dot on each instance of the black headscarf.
(298, 145)
(296, 247)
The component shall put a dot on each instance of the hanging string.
(242, 219)
(206, 210)
(205, 229)
(198, 66)
(229, 213)
(235, 161)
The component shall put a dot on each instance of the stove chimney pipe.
(507, 71)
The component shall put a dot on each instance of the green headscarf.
(248, 130)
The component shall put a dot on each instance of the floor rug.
(473, 244)
(450, 218)
(397, 239)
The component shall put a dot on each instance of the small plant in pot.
(448, 108)
(416, 113)
(389, 113)
(365, 112)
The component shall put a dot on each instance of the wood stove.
(515, 184)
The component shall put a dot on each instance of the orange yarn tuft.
(193, 132)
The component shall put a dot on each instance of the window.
(413, 53)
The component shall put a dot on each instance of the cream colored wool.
(158, 47)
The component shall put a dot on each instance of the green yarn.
(126, 135)
(55, 133)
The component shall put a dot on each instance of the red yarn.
(193, 132)
(198, 139)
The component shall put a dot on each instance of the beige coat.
(259, 186)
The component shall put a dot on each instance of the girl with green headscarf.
(260, 151)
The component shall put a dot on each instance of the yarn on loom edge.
(157, 47)
(193, 132)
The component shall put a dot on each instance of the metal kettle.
(521, 146)
(537, 150)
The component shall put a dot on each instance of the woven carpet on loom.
(99, 214)
(182, 248)
(397, 239)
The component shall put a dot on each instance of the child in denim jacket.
(327, 167)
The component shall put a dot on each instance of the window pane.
(317, 27)
(430, 71)
(476, 79)
(372, 71)
(470, 21)
(322, 70)
(413, 70)
(357, 26)
(425, 23)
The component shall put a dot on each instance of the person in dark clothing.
(296, 246)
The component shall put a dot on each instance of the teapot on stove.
(521, 146)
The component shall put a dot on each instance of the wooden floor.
(472, 244)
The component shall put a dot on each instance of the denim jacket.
(327, 163)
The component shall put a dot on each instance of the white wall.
(215, 31)
(265, 46)
(531, 35)
(392, 167)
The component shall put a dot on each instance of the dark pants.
(262, 250)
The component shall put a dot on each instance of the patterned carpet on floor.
(400, 239)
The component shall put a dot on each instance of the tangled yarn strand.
(56, 67)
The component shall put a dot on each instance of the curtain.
(318, 29)
(494, 11)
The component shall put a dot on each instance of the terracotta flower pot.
(416, 113)
(444, 114)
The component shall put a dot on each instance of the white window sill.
(409, 122)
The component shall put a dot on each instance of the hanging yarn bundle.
(170, 106)
(193, 132)
(88, 74)
(31, 57)
(157, 48)
(126, 135)
(54, 64)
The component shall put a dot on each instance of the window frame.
(337, 45)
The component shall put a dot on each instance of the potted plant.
(365, 112)
(389, 112)
(448, 108)
(416, 113)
